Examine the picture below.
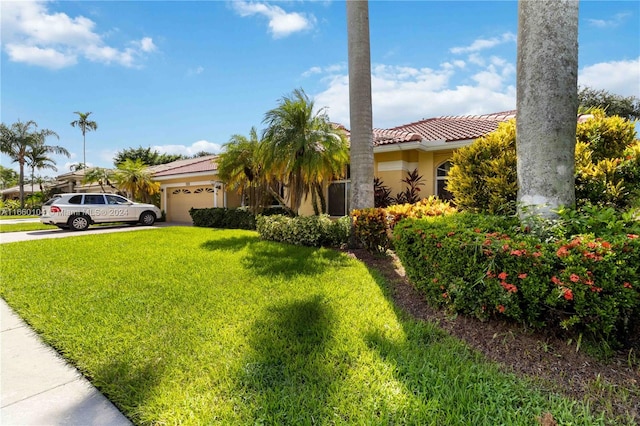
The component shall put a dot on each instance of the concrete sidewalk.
(39, 388)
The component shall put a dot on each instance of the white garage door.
(180, 200)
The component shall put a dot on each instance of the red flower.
(502, 276)
(505, 247)
(606, 244)
(517, 253)
(632, 236)
(536, 254)
(477, 230)
(450, 234)
(491, 274)
(486, 242)
(562, 251)
(445, 295)
(501, 309)
(627, 285)
(555, 280)
(574, 278)
(522, 276)
(568, 294)
(439, 245)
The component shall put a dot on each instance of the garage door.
(180, 200)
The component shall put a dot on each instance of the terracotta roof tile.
(389, 136)
(191, 165)
(455, 128)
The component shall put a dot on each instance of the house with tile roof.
(426, 146)
(191, 183)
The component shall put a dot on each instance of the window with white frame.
(442, 177)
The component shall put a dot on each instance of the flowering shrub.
(430, 206)
(491, 266)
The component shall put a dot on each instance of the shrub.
(314, 231)
(239, 218)
(483, 175)
(371, 230)
(492, 266)
(430, 206)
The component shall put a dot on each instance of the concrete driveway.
(12, 237)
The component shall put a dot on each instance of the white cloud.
(34, 35)
(614, 22)
(192, 149)
(401, 95)
(482, 44)
(281, 23)
(619, 77)
(195, 71)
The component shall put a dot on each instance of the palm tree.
(98, 174)
(240, 168)
(301, 148)
(19, 139)
(85, 125)
(134, 178)
(547, 105)
(362, 193)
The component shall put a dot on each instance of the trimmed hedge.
(239, 218)
(491, 266)
(314, 231)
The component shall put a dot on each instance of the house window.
(442, 176)
(339, 198)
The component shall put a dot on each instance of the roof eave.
(423, 146)
(185, 175)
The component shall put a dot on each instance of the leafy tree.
(85, 126)
(361, 151)
(134, 178)
(301, 148)
(100, 175)
(8, 177)
(612, 104)
(16, 141)
(77, 166)
(146, 155)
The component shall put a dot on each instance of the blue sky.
(184, 76)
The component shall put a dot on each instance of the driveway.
(12, 237)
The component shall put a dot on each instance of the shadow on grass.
(277, 259)
(287, 377)
(229, 244)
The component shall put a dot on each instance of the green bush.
(314, 231)
(483, 176)
(371, 229)
(239, 218)
(491, 266)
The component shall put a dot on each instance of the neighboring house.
(426, 145)
(13, 192)
(191, 183)
(72, 182)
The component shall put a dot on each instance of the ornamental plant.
(490, 266)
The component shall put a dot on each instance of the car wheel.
(79, 223)
(147, 218)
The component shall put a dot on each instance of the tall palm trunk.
(362, 195)
(547, 105)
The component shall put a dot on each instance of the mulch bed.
(548, 358)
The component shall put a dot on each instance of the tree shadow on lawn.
(279, 259)
(287, 375)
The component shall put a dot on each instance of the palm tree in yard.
(241, 169)
(547, 104)
(85, 126)
(100, 175)
(19, 139)
(134, 178)
(301, 148)
(37, 157)
(362, 193)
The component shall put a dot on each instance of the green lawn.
(27, 226)
(200, 326)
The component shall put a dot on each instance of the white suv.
(78, 211)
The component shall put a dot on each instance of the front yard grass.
(201, 326)
(23, 227)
